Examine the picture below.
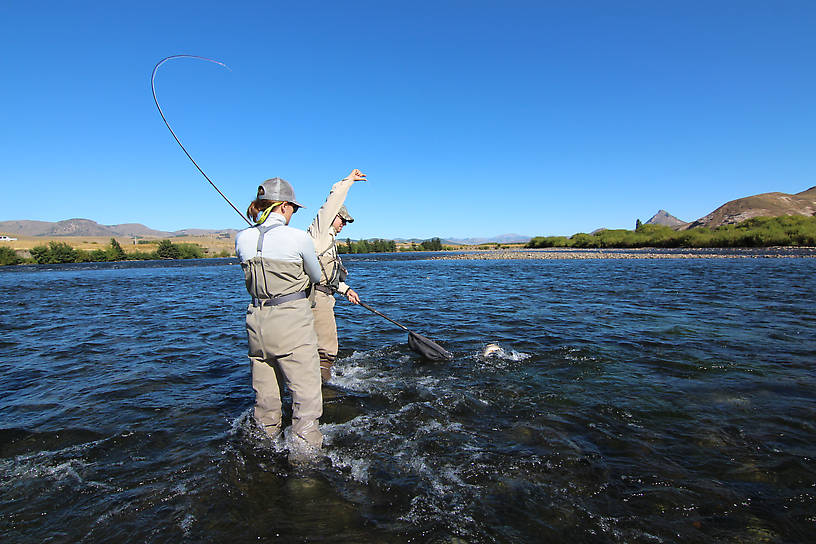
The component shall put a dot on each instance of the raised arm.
(319, 229)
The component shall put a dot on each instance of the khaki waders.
(326, 329)
(282, 345)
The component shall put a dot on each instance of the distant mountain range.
(765, 204)
(86, 227)
(498, 239)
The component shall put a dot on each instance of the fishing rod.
(416, 342)
(156, 100)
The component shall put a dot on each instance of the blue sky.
(470, 118)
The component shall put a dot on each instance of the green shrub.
(584, 240)
(115, 251)
(83, 256)
(788, 230)
(54, 253)
(434, 244)
(143, 255)
(62, 252)
(190, 251)
(9, 257)
(548, 241)
(39, 254)
(167, 250)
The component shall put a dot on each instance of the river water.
(668, 400)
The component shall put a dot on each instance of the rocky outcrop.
(762, 205)
(663, 217)
(79, 227)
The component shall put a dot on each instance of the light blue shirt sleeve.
(310, 264)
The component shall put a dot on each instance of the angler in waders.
(279, 265)
(330, 220)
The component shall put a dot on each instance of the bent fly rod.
(156, 100)
(422, 345)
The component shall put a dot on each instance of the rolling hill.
(765, 204)
(87, 227)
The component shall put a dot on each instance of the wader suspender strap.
(329, 279)
(276, 300)
(261, 234)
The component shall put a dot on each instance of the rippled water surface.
(632, 401)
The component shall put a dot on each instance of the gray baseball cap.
(279, 190)
(345, 214)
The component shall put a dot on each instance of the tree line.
(386, 246)
(61, 252)
(367, 246)
(786, 230)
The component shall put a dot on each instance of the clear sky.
(470, 118)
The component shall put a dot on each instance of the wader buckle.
(324, 289)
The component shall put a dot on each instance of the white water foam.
(300, 452)
(495, 357)
(55, 466)
(356, 373)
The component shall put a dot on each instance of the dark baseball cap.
(345, 215)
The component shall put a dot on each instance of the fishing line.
(156, 100)
(426, 347)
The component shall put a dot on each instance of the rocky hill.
(663, 217)
(86, 227)
(765, 204)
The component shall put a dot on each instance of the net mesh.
(428, 348)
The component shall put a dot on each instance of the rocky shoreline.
(504, 254)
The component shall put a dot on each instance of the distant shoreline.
(685, 253)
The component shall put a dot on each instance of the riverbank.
(648, 253)
(66, 249)
(211, 245)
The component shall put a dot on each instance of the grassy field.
(210, 244)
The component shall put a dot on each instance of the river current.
(632, 400)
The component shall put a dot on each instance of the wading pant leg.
(267, 396)
(302, 371)
(326, 329)
(284, 334)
